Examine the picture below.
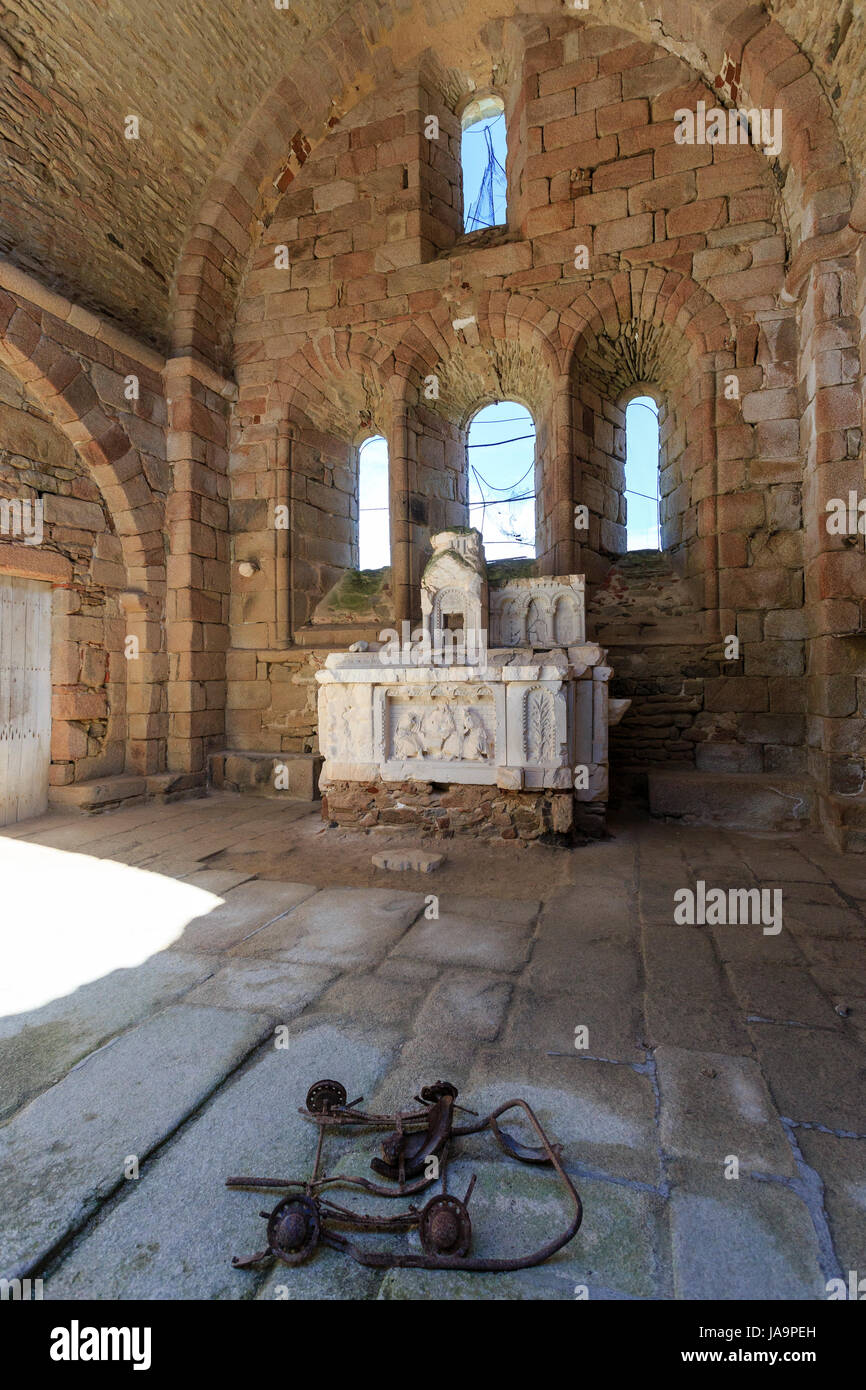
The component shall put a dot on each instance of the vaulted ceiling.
(104, 218)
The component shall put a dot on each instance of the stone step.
(254, 773)
(107, 793)
(738, 800)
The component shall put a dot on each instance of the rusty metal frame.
(306, 1217)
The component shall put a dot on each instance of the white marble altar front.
(531, 713)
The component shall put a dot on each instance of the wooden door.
(25, 697)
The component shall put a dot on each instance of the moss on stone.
(501, 572)
(357, 592)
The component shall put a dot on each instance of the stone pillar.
(401, 517)
(198, 561)
(835, 570)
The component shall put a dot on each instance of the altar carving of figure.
(440, 730)
(536, 626)
(476, 740)
(408, 737)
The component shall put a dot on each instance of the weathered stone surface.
(467, 1004)
(713, 1106)
(783, 993)
(40, 1046)
(455, 940)
(603, 1115)
(339, 926)
(142, 1249)
(263, 986)
(743, 1239)
(814, 1074)
(105, 1110)
(841, 1165)
(245, 911)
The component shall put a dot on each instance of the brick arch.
(60, 384)
(663, 297)
(737, 49)
(338, 379)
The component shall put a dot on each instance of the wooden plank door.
(25, 697)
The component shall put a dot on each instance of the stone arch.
(740, 51)
(60, 383)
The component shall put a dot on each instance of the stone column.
(198, 561)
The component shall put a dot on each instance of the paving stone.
(603, 1113)
(218, 880)
(688, 1001)
(783, 993)
(515, 1209)
(449, 1286)
(421, 1061)
(548, 1023)
(149, 1245)
(400, 968)
(516, 911)
(589, 913)
(814, 1074)
(453, 940)
(466, 1004)
(824, 920)
(264, 986)
(741, 1239)
(372, 1001)
(841, 1165)
(745, 945)
(341, 926)
(603, 995)
(712, 1106)
(246, 910)
(65, 1151)
(40, 1046)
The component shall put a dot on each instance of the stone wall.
(684, 294)
(487, 812)
(706, 263)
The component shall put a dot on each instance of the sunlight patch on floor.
(67, 919)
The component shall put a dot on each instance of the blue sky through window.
(642, 473)
(501, 463)
(374, 537)
(482, 156)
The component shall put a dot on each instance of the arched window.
(374, 532)
(501, 462)
(482, 158)
(642, 474)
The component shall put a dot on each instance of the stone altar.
(437, 728)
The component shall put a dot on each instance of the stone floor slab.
(245, 911)
(38, 1047)
(343, 927)
(742, 1239)
(147, 1246)
(841, 1165)
(603, 1113)
(66, 1151)
(466, 1004)
(713, 1106)
(467, 941)
(814, 1074)
(268, 987)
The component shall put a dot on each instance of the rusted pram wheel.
(445, 1228)
(325, 1096)
(293, 1229)
(438, 1090)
